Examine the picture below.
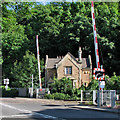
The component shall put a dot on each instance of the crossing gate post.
(94, 97)
(37, 91)
(81, 96)
(113, 97)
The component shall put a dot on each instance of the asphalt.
(110, 110)
(77, 105)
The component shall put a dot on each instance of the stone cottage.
(77, 69)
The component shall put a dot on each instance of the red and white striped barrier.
(95, 36)
(96, 76)
(38, 62)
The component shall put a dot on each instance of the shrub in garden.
(59, 96)
(62, 86)
(9, 92)
(67, 97)
(49, 96)
(112, 83)
(74, 97)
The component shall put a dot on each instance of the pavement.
(78, 105)
(109, 109)
(95, 108)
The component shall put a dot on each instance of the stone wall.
(85, 77)
(75, 70)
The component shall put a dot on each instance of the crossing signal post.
(99, 74)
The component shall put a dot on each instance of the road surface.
(33, 109)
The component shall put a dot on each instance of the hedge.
(9, 92)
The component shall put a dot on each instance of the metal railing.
(100, 98)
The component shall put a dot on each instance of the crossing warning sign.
(99, 74)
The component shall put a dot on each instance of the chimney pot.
(80, 55)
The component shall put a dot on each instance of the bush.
(3, 88)
(49, 96)
(74, 97)
(67, 97)
(62, 86)
(9, 92)
(59, 96)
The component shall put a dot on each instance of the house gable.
(70, 57)
(61, 65)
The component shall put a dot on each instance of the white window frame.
(68, 70)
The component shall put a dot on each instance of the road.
(32, 109)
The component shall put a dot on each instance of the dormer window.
(68, 70)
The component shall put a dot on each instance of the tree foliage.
(61, 27)
(22, 71)
(62, 86)
(112, 83)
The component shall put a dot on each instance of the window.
(68, 70)
(85, 84)
(86, 72)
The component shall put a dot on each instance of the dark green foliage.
(61, 27)
(59, 92)
(93, 85)
(9, 92)
(59, 96)
(49, 96)
(62, 86)
(112, 83)
(63, 89)
(22, 71)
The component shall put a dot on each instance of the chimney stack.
(80, 55)
(46, 60)
(90, 60)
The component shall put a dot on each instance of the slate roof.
(85, 63)
(51, 63)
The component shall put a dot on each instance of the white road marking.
(15, 116)
(15, 108)
(26, 111)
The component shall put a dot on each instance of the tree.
(62, 27)
(14, 44)
(112, 83)
(23, 70)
